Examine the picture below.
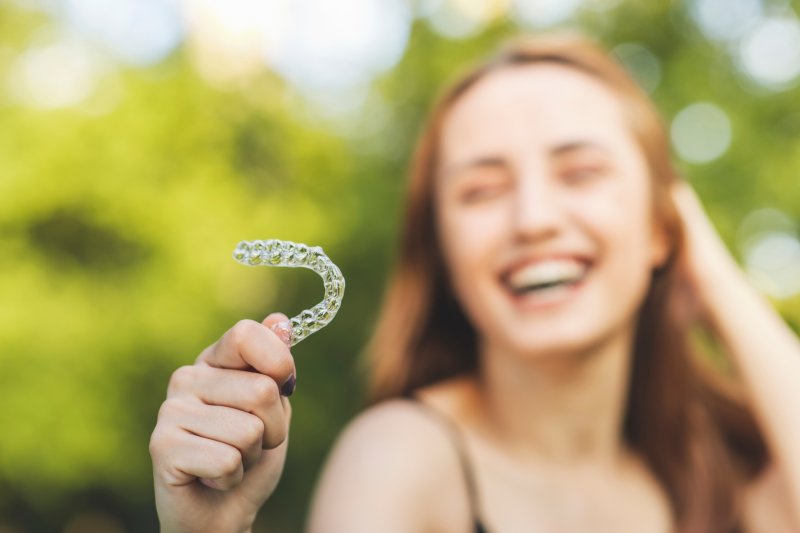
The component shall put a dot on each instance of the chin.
(555, 350)
(534, 344)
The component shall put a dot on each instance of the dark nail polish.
(288, 388)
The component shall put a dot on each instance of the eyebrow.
(488, 161)
(575, 146)
(496, 161)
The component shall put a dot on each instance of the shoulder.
(399, 428)
(414, 433)
(768, 504)
(390, 467)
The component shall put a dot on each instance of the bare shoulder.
(397, 429)
(388, 470)
(767, 504)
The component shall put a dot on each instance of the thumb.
(280, 325)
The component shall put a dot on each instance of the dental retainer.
(274, 252)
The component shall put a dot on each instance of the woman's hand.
(704, 261)
(763, 348)
(219, 445)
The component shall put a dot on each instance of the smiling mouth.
(547, 277)
(544, 287)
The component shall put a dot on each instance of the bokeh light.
(228, 40)
(701, 132)
(59, 74)
(458, 19)
(769, 245)
(773, 264)
(770, 52)
(332, 46)
(544, 13)
(141, 32)
(641, 62)
(724, 20)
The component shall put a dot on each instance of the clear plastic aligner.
(274, 252)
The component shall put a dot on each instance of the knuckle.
(161, 442)
(164, 411)
(254, 431)
(170, 409)
(181, 379)
(156, 441)
(264, 391)
(242, 331)
(228, 462)
(170, 474)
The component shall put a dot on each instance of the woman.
(532, 370)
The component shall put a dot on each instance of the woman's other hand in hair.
(220, 442)
(705, 257)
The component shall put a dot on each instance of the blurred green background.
(141, 140)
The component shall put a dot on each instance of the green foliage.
(116, 229)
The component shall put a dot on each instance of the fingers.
(233, 427)
(250, 345)
(248, 392)
(180, 458)
(221, 412)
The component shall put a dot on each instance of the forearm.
(767, 354)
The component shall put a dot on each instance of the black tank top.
(455, 436)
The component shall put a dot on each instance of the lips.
(543, 281)
(543, 272)
(546, 273)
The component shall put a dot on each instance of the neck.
(561, 408)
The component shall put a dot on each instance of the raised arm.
(762, 346)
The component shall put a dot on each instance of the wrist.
(714, 277)
(728, 296)
(245, 527)
(718, 275)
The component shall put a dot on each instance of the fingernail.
(288, 388)
(284, 330)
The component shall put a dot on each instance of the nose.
(537, 208)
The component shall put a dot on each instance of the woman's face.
(543, 208)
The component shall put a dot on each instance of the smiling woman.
(532, 369)
(550, 214)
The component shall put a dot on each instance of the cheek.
(620, 220)
(468, 235)
(471, 240)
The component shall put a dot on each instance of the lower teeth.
(549, 288)
(547, 292)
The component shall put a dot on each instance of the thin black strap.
(457, 438)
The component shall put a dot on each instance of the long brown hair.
(689, 423)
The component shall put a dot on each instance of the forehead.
(533, 105)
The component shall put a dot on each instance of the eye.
(480, 192)
(583, 174)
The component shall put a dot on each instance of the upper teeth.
(547, 272)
